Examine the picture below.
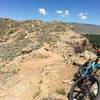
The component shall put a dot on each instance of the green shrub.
(61, 91)
(11, 31)
(94, 39)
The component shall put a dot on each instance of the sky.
(82, 11)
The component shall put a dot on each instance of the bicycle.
(87, 84)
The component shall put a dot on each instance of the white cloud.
(43, 11)
(80, 14)
(83, 16)
(62, 13)
(66, 13)
(59, 11)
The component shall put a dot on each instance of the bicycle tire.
(70, 97)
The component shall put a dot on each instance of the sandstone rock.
(88, 55)
(26, 50)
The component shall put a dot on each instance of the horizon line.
(32, 19)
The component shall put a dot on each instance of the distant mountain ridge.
(87, 28)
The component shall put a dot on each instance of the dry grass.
(61, 91)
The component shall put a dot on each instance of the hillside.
(37, 59)
(91, 32)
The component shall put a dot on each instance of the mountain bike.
(87, 84)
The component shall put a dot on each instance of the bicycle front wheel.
(85, 89)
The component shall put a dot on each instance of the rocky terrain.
(37, 59)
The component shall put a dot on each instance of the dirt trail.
(37, 76)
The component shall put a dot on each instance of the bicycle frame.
(91, 68)
(84, 80)
(96, 66)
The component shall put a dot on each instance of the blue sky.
(83, 11)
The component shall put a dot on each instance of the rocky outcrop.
(37, 57)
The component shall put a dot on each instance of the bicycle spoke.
(81, 98)
(92, 95)
(77, 91)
